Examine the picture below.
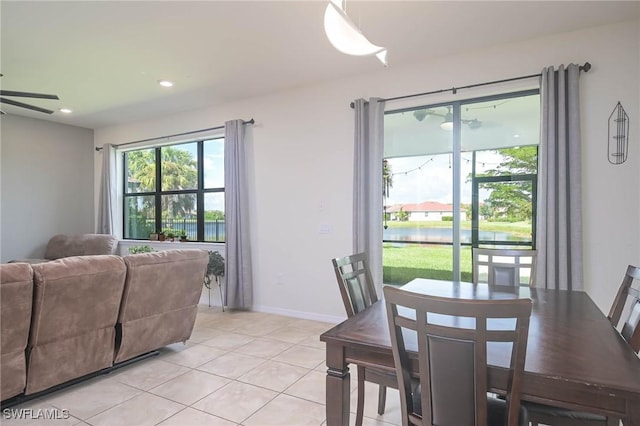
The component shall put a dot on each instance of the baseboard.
(299, 314)
(204, 301)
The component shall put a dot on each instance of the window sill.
(124, 245)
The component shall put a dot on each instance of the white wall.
(301, 159)
(47, 184)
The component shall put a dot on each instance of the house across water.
(425, 211)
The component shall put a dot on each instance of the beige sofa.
(89, 313)
(65, 245)
(160, 300)
(75, 308)
(16, 293)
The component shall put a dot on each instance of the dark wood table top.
(572, 346)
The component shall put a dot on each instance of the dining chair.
(452, 336)
(504, 267)
(628, 296)
(627, 300)
(358, 293)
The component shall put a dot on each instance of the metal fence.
(214, 230)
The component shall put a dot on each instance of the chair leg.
(382, 399)
(360, 404)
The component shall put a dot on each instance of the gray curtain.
(367, 183)
(107, 198)
(238, 274)
(559, 223)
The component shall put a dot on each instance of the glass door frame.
(475, 207)
(456, 163)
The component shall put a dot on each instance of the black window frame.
(532, 178)
(200, 191)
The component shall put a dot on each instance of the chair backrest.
(354, 280)
(504, 267)
(452, 337)
(628, 296)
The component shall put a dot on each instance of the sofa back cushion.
(75, 308)
(160, 299)
(63, 245)
(16, 295)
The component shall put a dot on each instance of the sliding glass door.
(458, 175)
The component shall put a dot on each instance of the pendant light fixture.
(346, 37)
(447, 118)
(447, 123)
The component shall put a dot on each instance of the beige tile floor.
(239, 368)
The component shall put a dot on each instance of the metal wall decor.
(618, 142)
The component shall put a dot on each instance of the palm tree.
(387, 178)
(179, 172)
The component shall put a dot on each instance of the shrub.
(140, 249)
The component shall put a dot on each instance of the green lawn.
(402, 264)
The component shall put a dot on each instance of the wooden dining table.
(575, 358)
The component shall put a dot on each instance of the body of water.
(444, 235)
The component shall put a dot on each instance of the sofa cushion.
(160, 299)
(63, 245)
(75, 308)
(16, 295)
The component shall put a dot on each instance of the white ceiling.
(103, 59)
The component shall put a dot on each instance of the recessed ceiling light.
(65, 110)
(165, 83)
(516, 136)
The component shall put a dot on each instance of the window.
(177, 189)
(473, 165)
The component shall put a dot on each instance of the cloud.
(430, 177)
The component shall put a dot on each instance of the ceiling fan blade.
(27, 94)
(20, 104)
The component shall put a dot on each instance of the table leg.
(338, 395)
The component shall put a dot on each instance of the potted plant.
(183, 236)
(215, 271)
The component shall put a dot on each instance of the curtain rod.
(252, 121)
(586, 67)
